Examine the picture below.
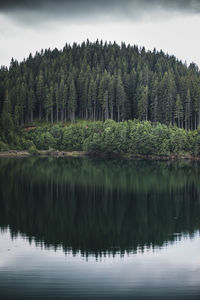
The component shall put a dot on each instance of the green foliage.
(178, 140)
(26, 144)
(33, 150)
(141, 138)
(3, 146)
(46, 141)
(133, 137)
(57, 134)
(74, 136)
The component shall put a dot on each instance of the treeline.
(132, 137)
(99, 81)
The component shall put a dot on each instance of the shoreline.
(56, 153)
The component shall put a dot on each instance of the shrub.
(110, 137)
(33, 150)
(45, 141)
(3, 146)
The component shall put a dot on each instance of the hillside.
(99, 81)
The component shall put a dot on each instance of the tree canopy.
(100, 81)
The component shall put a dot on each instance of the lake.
(77, 228)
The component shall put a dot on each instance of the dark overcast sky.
(171, 25)
(93, 8)
(167, 4)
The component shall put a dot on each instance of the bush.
(33, 150)
(74, 137)
(57, 133)
(93, 143)
(3, 147)
(45, 141)
(26, 144)
(110, 137)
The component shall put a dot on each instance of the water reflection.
(99, 207)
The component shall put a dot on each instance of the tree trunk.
(40, 111)
(65, 113)
(199, 117)
(52, 115)
(178, 121)
(62, 115)
(94, 111)
(118, 114)
(111, 112)
(57, 112)
(195, 120)
(31, 116)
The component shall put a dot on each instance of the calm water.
(99, 229)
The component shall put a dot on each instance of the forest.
(96, 82)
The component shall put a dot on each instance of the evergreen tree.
(31, 104)
(120, 99)
(40, 94)
(72, 101)
(154, 101)
(179, 112)
(188, 111)
(6, 119)
(143, 103)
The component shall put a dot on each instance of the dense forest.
(100, 81)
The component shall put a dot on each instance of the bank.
(56, 153)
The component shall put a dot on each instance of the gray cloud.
(83, 10)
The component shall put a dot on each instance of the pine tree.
(31, 103)
(143, 103)
(188, 111)
(57, 101)
(120, 99)
(154, 101)
(65, 100)
(6, 118)
(179, 111)
(111, 96)
(72, 101)
(23, 98)
(195, 95)
(40, 94)
(47, 103)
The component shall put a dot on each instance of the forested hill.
(99, 81)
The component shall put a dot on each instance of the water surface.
(101, 229)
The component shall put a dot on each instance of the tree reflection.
(99, 206)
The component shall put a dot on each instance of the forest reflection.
(98, 206)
